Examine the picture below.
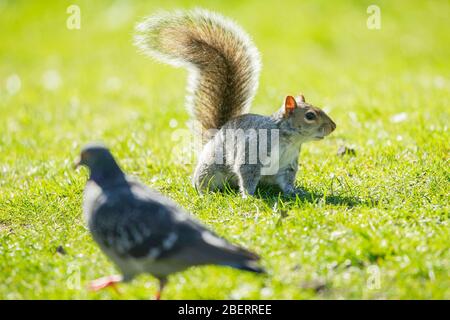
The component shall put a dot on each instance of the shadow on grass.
(272, 196)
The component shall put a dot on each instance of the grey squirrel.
(223, 69)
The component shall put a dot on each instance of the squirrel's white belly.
(287, 159)
(289, 155)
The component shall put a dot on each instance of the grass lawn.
(374, 225)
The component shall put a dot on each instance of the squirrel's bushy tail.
(223, 63)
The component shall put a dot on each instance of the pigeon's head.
(99, 160)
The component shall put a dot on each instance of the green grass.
(382, 212)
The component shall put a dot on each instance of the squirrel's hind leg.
(209, 179)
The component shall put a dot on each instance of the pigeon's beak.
(77, 163)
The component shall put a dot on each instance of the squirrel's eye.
(310, 116)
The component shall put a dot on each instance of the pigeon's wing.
(146, 225)
(133, 227)
(194, 244)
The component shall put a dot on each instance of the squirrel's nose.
(333, 126)
(328, 128)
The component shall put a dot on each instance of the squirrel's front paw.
(246, 193)
(292, 191)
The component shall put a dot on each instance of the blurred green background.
(375, 225)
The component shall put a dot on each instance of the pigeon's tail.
(243, 259)
(251, 266)
(215, 250)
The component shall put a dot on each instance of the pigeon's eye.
(310, 116)
(85, 155)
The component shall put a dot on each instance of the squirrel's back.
(223, 63)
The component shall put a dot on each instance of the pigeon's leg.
(105, 282)
(162, 284)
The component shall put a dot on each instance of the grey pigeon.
(142, 231)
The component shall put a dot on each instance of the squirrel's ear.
(301, 97)
(289, 105)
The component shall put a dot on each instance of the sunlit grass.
(375, 225)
